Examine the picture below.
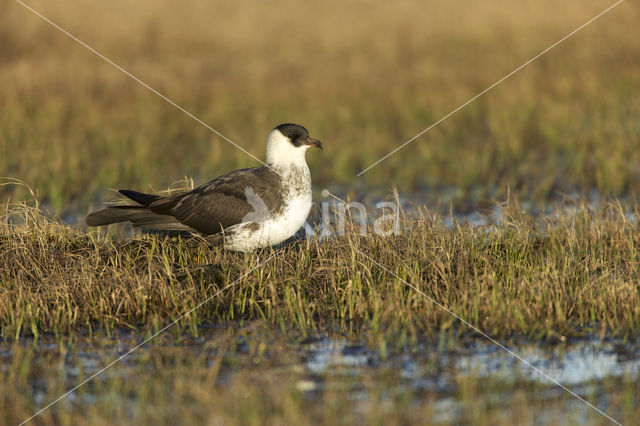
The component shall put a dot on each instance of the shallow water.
(580, 366)
(431, 369)
(428, 369)
(569, 363)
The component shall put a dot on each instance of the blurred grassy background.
(362, 76)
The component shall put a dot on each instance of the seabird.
(242, 210)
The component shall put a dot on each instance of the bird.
(243, 210)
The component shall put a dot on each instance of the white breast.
(249, 236)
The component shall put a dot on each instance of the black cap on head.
(296, 133)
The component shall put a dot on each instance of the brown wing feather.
(222, 202)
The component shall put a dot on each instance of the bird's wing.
(223, 201)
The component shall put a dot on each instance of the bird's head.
(287, 144)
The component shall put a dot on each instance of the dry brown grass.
(576, 274)
(361, 76)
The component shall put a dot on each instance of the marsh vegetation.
(361, 77)
(95, 296)
(333, 330)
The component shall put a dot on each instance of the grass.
(572, 274)
(72, 125)
(363, 79)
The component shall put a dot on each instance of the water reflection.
(325, 363)
(431, 368)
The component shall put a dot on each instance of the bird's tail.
(140, 197)
(115, 214)
(140, 216)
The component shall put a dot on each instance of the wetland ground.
(519, 214)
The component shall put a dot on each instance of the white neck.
(282, 154)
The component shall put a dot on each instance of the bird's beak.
(313, 142)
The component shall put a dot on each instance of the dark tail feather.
(115, 214)
(137, 215)
(140, 197)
